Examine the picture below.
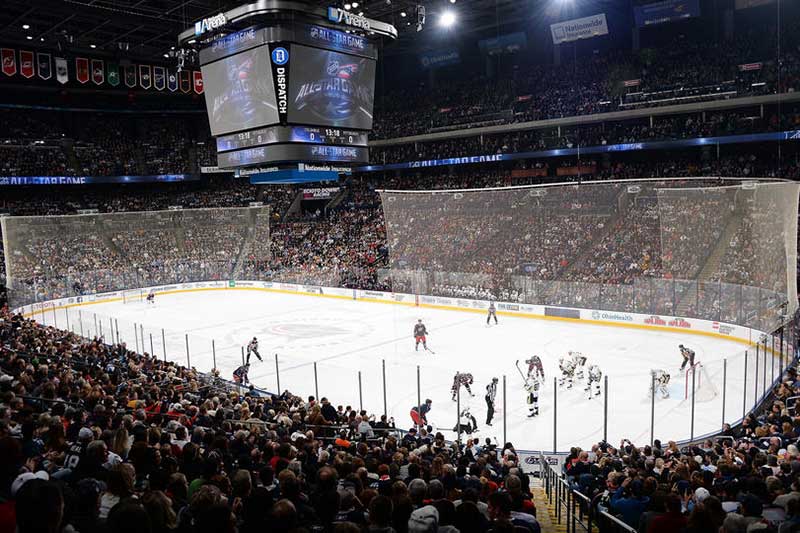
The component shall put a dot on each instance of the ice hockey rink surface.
(345, 336)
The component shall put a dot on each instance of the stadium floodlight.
(403, 14)
(355, 5)
(26, 26)
(29, 37)
(347, 7)
(92, 46)
(447, 19)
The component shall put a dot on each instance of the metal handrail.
(617, 522)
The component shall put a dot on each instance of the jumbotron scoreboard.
(286, 83)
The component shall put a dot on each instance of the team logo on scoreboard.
(280, 56)
(340, 93)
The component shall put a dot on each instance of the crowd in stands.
(743, 481)
(97, 438)
(685, 71)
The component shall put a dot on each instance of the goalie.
(660, 382)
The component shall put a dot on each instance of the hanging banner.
(745, 67)
(145, 76)
(582, 28)
(26, 63)
(746, 4)
(159, 78)
(172, 81)
(9, 57)
(112, 72)
(44, 66)
(62, 70)
(130, 76)
(665, 11)
(435, 59)
(98, 72)
(198, 82)
(504, 44)
(186, 81)
(82, 69)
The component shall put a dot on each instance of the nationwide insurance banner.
(438, 59)
(582, 28)
(665, 11)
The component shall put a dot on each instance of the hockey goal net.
(132, 296)
(704, 389)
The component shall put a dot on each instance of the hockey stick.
(524, 378)
(429, 350)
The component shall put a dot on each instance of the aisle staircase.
(545, 512)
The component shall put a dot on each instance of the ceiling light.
(360, 13)
(192, 41)
(347, 7)
(26, 26)
(447, 19)
(403, 14)
(172, 48)
(41, 39)
(452, 1)
(166, 55)
(355, 5)
(92, 46)
(29, 37)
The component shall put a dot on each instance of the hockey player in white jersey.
(579, 362)
(532, 388)
(593, 381)
(660, 381)
(567, 367)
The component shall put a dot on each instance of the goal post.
(704, 388)
(133, 296)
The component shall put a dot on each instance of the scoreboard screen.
(239, 92)
(328, 88)
(290, 134)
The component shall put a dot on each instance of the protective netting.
(60, 256)
(706, 248)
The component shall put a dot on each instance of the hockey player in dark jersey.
(688, 356)
(420, 334)
(240, 374)
(492, 313)
(535, 367)
(462, 378)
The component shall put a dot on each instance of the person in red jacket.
(672, 520)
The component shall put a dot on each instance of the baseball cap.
(85, 434)
(24, 478)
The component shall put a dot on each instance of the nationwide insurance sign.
(582, 28)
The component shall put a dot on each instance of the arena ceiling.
(149, 28)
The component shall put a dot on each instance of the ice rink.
(346, 336)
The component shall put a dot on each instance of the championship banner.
(62, 70)
(112, 71)
(198, 82)
(130, 76)
(26, 63)
(665, 11)
(82, 69)
(145, 79)
(44, 66)
(172, 81)
(582, 28)
(9, 57)
(98, 72)
(186, 81)
(159, 79)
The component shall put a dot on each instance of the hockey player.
(492, 313)
(420, 334)
(462, 378)
(593, 381)
(688, 356)
(491, 394)
(467, 422)
(579, 363)
(240, 374)
(532, 388)
(535, 367)
(252, 347)
(661, 380)
(567, 367)
(151, 297)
